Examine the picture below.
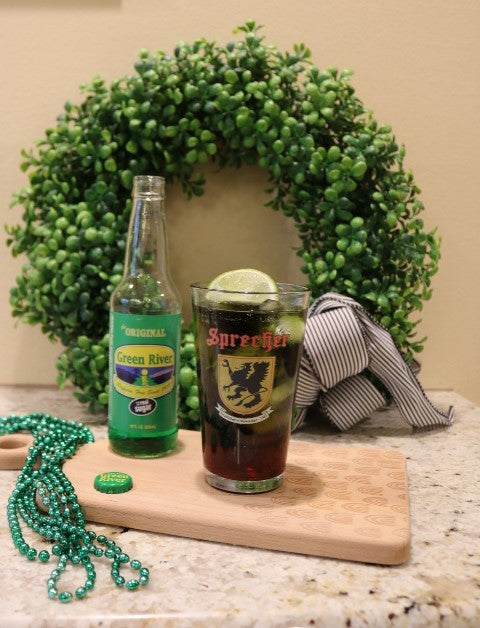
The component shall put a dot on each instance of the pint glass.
(248, 354)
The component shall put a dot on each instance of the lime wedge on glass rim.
(244, 285)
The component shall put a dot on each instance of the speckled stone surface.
(200, 584)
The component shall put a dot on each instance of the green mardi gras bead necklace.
(56, 440)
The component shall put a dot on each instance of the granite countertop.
(199, 583)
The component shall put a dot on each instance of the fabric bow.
(341, 341)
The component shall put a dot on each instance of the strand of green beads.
(56, 440)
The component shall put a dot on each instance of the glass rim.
(151, 179)
(284, 288)
(149, 186)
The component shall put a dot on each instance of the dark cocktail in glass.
(248, 354)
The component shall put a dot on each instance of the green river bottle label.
(144, 367)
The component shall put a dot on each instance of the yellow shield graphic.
(245, 383)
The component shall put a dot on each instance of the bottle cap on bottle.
(113, 482)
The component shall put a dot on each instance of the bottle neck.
(146, 251)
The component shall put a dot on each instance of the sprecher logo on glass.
(143, 371)
(245, 387)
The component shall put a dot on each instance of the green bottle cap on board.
(113, 482)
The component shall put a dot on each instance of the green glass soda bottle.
(145, 320)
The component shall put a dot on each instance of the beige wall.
(416, 65)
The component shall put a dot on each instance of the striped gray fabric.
(341, 342)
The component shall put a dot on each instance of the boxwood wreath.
(332, 170)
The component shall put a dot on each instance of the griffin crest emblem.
(245, 383)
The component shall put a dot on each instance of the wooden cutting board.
(339, 502)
